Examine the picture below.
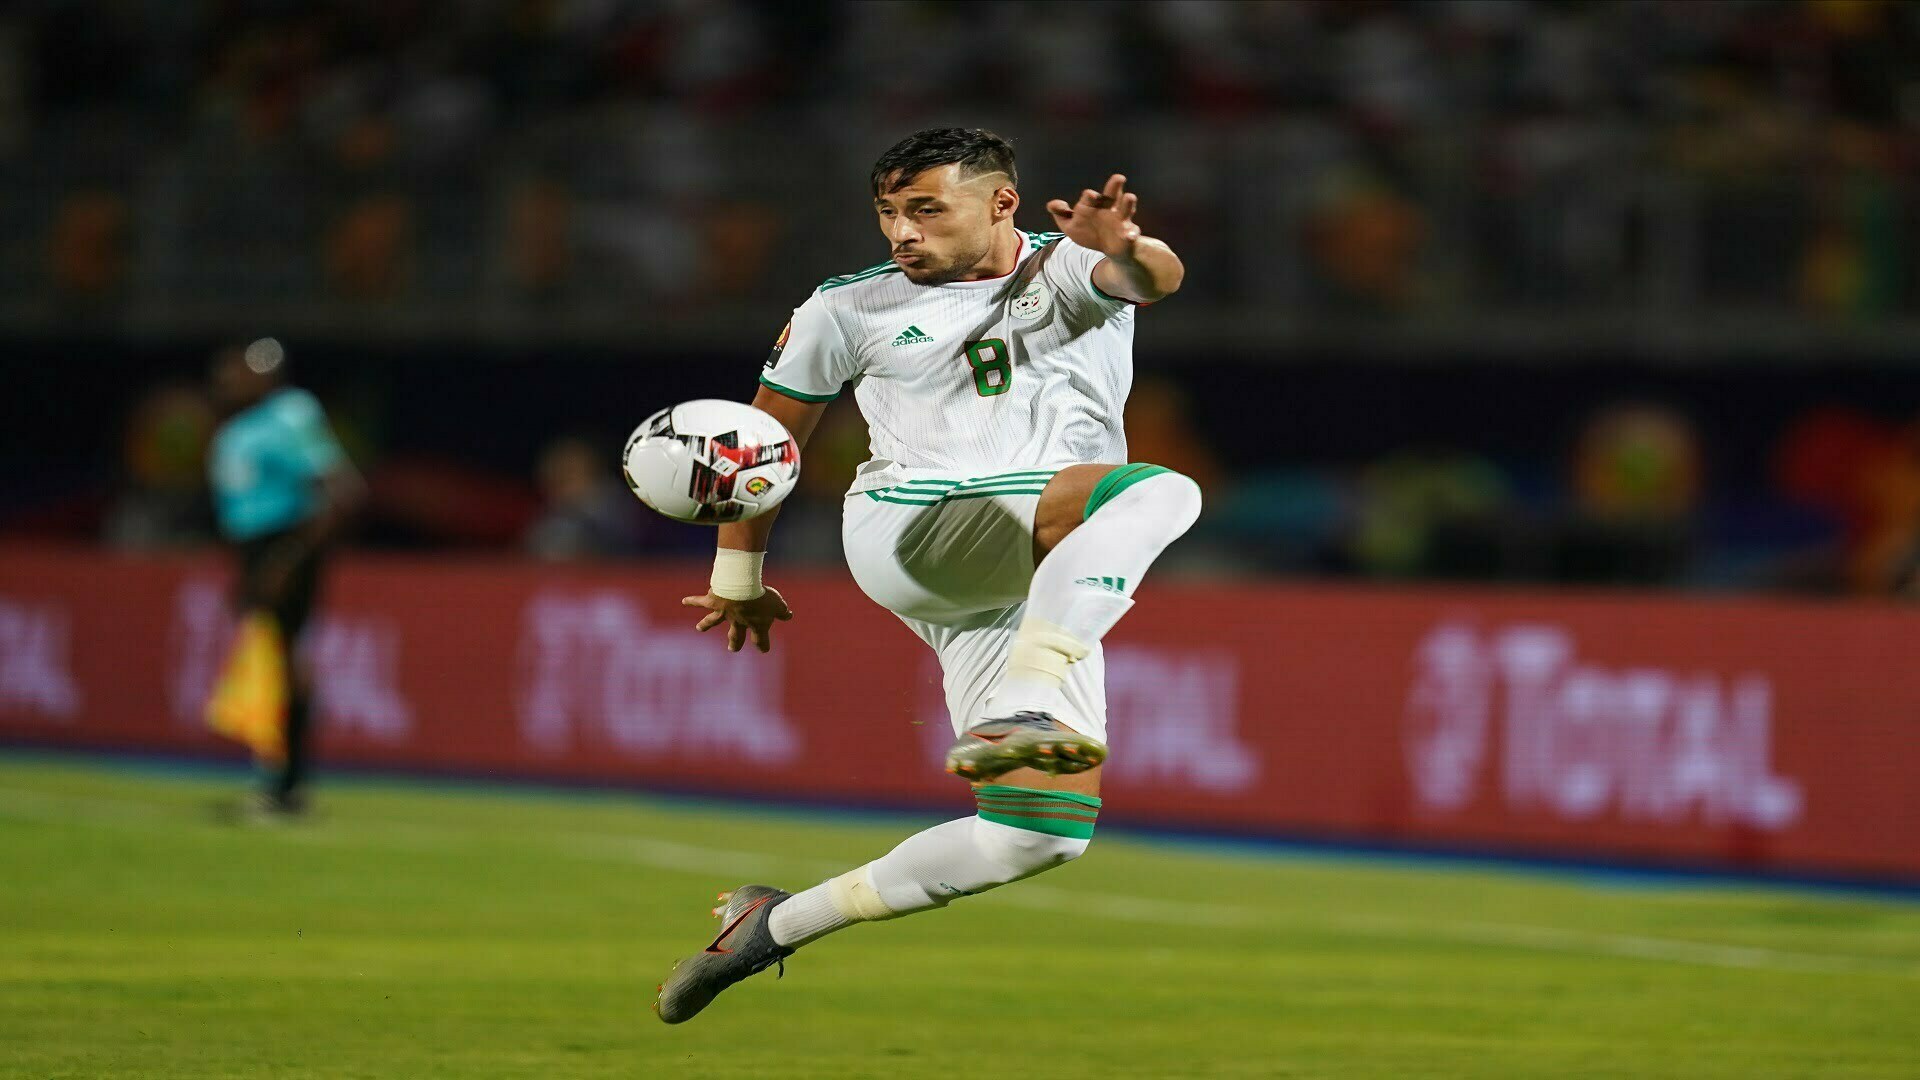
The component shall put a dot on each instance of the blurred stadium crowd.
(1376, 199)
(1424, 159)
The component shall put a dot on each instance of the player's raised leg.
(1026, 825)
(1096, 531)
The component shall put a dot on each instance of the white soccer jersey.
(1026, 371)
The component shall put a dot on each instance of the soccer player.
(282, 490)
(998, 517)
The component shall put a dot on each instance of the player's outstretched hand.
(744, 618)
(1100, 220)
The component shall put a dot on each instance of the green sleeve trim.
(1005, 790)
(1118, 481)
(1116, 299)
(795, 394)
(1075, 830)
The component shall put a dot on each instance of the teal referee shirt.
(266, 463)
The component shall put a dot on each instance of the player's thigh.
(1063, 505)
(973, 662)
(940, 562)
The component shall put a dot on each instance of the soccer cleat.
(1025, 740)
(745, 947)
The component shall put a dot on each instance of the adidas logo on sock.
(912, 335)
(1111, 584)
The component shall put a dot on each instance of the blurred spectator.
(367, 248)
(1160, 428)
(164, 501)
(1436, 514)
(1366, 239)
(588, 515)
(1636, 482)
(89, 243)
(537, 229)
(1866, 474)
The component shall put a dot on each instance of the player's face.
(940, 226)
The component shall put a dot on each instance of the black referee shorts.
(293, 608)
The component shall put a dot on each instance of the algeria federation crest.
(1032, 302)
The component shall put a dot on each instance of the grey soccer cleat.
(1025, 740)
(745, 947)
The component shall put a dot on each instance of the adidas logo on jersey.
(1111, 584)
(912, 335)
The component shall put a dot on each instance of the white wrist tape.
(736, 574)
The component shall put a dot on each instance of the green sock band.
(1117, 481)
(1056, 813)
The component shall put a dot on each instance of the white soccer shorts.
(953, 558)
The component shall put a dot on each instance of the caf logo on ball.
(759, 485)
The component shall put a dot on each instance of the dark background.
(1586, 293)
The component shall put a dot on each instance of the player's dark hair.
(976, 150)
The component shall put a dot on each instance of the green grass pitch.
(418, 932)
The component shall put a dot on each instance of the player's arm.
(811, 361)
(736, 596)
(800, 418)
(1136, 267)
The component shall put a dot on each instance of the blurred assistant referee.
(282, 491)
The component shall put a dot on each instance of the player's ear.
(1005, 201)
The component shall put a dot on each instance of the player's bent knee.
(1176, 498)
(1026, 853)
(1029, 830)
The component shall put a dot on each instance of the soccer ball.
(711, 462)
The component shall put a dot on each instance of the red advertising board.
(1752, 734)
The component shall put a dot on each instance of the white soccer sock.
(806, 916)
(1083, 587)
(929, 869)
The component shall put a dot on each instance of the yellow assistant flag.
(250, 699)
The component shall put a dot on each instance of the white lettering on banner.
(1178, 713)
(1173, 716)
(593, 672)
(36, 673)
(355, 660)
(202, 630)
(1580, 740)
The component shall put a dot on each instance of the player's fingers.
(1090, 197)
(736, 637)
(1116, 187)
(1060, 210)
(785, 614)
(762, 639)
(697, 601)
(709, 621)
(1128, 204)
